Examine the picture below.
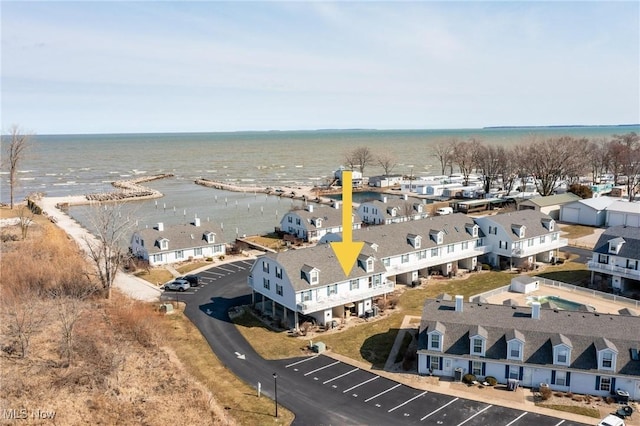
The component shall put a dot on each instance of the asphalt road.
(323, 391)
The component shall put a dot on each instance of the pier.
(129, 190)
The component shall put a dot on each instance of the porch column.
(284, 319)
(273, 308)
(253, 298)
(295, 319)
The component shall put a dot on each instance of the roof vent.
(160, 226)
(459, 303)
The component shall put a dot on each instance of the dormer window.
(472, 229)
(607, 354)
(435, 340)
(435, 337)
(314, 276)
(607, 360)
(163, 243)
(515, 345)
(370, 265)
(519, 230)
(615, 245)
(562, 355)
(437, 236)
(477, 340)
(393, 212)
(319, 222)
(515, 350)
(548, 223)
(210, 237)
(415, 240)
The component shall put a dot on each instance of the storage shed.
(524, 284)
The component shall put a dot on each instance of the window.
(435, 342)
(164, 244)
(369, 265)
(607, 360)
(554, 237)
(266, 284)
(450, 248)
(265, 267)
(197, 251)
(542, 239)
(563, 356)
(561, 378)
(603, 258)
(515, 350)
(530, 242)
(479, 242)
(307, 296)
(297, 221)
(157, 258)
(179, 254)
(278, 289)
(290, 219)
(476, 368)
(386, 261)
(465, 245)
(632, 264)
(477, 346)
(354, 284)
(503, 244)
(314, 277)
(422, 254)
(434, 363)
(332, 289)
(405, 258)
(278, 272)
(605, 384)
(514, 372)
(434, 252)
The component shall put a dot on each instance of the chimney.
(196, 222)
(310, 208)
(336, 205)
(160, 226)
(535, 310)
(384, 199)
(459, 303)
(405, 197)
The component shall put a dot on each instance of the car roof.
(181, 281)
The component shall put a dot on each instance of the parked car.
(177, 285)
(444, 211)
(611, 420)
(192, 279)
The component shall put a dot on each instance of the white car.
(611, 420)
(177, 285)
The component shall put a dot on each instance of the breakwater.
(130, 189)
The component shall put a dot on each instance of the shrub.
(469, 378)
(558, 394)
(486, 267)
(568, 395)
(609, 400)
(545, 392)
(578, 398)
(221, 257)
(491, 380)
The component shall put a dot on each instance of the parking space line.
(517, 418)
(438, 409)
(406, 402)
(484, 409)
(363, 383)
(342, 375)
(561, 421)
(216, 273)
(226, 270)
(321, 368)
(383, 392)
(301, 361)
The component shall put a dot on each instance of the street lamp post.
(275, 386)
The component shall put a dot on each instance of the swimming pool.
(560, 303)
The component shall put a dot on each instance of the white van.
(444, 211)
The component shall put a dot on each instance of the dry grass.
(271, 241)
(155, 276)
(191, 266)
(576, 231)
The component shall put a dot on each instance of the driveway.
(321, 390)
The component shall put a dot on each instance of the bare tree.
(26, 315)
(552, 160)
(508, 167)
(106, 249)
(388, 162)
(16, 144)
(443, 151)
(598, 157)
(359, 157)
(488, 159)
(25, 220)
(464, 156)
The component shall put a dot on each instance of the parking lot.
(401, 404)
(210, 276)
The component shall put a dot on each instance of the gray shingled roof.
(182, 236)
(585, 332)
(331, 216)
(530, 218)
(324, 259)
(631, 235)
(393, 238)
(552, 200)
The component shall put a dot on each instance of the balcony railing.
(538, 248)
(327, 302)
(606, 268)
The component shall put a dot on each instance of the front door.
(527, 377)
(448, 367)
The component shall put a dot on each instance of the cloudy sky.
(111, 67)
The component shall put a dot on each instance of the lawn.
(576, 231)
(155, 276)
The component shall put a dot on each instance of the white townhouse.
(580, 352)
(298, 284)
(616, 259)
(315, 221)
(520, 238)
(436, 245)
(162, 244)
(391, 210)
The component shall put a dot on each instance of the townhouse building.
(391, 210)
(616, 259)
(163, 245)
(581, 352)
(519, 239)
(315, 221)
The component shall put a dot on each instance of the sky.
(165, 66)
